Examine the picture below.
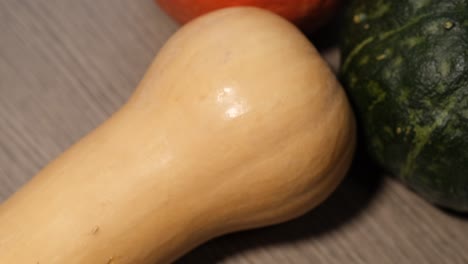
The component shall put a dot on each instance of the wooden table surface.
(66, 65)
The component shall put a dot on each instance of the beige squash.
(237, 124)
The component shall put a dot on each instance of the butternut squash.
(237, 124)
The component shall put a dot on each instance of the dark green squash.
(405, 66)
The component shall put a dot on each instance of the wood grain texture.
(66, 65)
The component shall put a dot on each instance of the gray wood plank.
(66, 65)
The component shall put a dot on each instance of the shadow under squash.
(348, 201)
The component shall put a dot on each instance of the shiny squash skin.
(238, 123)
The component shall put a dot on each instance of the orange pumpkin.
(308, 14)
